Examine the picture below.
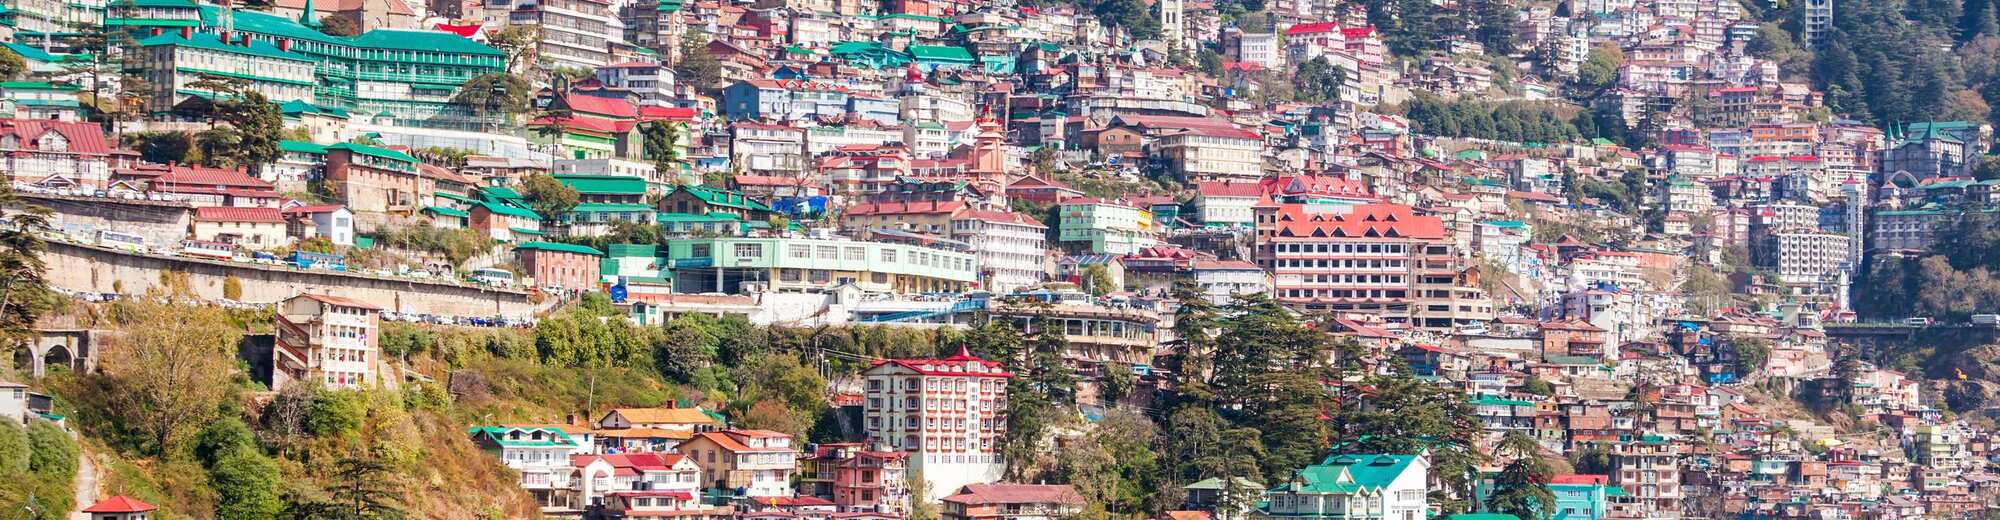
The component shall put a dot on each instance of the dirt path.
(86, 485)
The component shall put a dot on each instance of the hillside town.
(1023, 260)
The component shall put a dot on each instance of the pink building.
(562, 266)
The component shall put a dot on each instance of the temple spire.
(308, 17)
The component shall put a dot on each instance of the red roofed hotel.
(1377, 259)
(946, 413)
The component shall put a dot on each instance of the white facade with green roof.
(178, 67)
(403, 76)
(807, 264)
(41, 100)
(1355, 487)
(32, 20)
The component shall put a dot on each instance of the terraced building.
(404, 77)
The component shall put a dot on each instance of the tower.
(307, 17)
(1172, 23)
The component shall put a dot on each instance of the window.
(749, 250)
(855, 253)
(889, 255)
(798, 251)
(828, 253)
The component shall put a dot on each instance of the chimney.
(285, 45)
(187, 32)
(155, 31)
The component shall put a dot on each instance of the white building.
(1010, 247)
(1223, 281)
(948, 414)
(1355, 486)
(541, 455)
(14, 402)
(1227, 203)
(1802, 257)
(326, 337)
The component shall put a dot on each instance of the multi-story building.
(766, 149)
(787, 264)
(652, 83)
(1213, 152)
(328, 338)
(574, 32)
(250, 228)
(632, 485)
(541, 455)
(948, 414)
(55, 153)
(1223, 280)
(1227, 204)
(560, 265)
(1910, 229)
(1011, 247)
(1363, 259)
(1649, 471)
(1355, 486)
(375, 181)
(392, 75)
(1800, 256)
(856, 478)
(758, 462)
(1104, 226)
(176, 64)
(1097, 334)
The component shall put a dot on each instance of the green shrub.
(335, 412)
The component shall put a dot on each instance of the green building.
(404, 77)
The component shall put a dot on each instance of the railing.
(955, 308)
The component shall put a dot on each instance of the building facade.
(947, 414)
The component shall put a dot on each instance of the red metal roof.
(84, 138)
(120, 504)
(235, 214)
(1381, 220)
(1312, 28)
(601, 106)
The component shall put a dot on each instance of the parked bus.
(493, 276)
(122, 241)
(205, 249)
(308, 260)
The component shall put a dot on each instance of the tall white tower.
(1173, 26)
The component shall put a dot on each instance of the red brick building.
(566, 266)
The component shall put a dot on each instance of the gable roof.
(981, 494)
(1373, 220)
(559, 247)
(663, 415)
(235, 214)
(721, 197)
(615, 184)
(120, 504)
(84, 138)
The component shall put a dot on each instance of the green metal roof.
(526, 231)
(630, 250)
(611, 207)
(511, 211)
(559, 247)
(551, 437)
(500, 192)
(29, 52)
(447, 212)
(296, 106)
(456, 197)
(940, 53)
(375, 151)
(691, 217)
(1494, 401)
(205, 41)
(1348, 474)
(720, 197)
(426, 41)
(616, 184)
(302, 147)
(37, 85)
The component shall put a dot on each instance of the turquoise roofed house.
(1355, 487)
(421, 69)
(869, 54)
(605, 201)
(180, 65)
(1582, 497)
(43, 100)
(706, 200)
(540, 453)
(932, 58)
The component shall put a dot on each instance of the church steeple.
(309, 17)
